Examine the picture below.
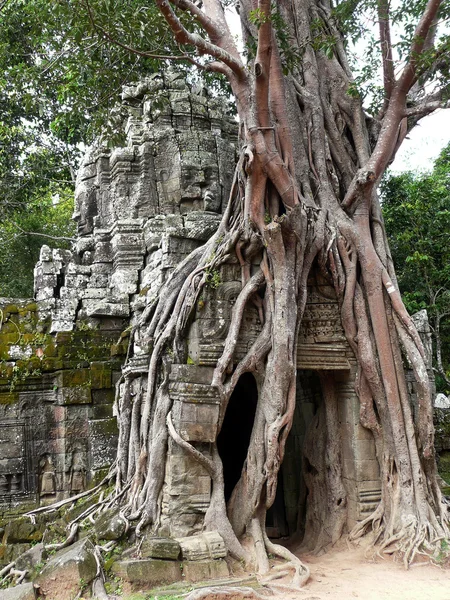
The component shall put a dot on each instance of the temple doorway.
(234, 437)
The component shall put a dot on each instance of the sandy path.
(344, 574)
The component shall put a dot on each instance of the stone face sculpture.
(143, 207)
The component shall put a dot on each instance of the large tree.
(305, 191)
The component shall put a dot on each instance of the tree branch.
(208, 24)
(45, 235)
(262, 64)
(391, 134)
(386, 47)
(426, 108)
(104, 33)
(410, 72)
(182, 36)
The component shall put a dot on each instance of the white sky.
(423, 145)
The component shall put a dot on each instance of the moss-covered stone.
(73, 378)
(148, 572)
(51, 364)
(65, 573)
(75, 395)
(80, 506)
(9, 552)
(23, 530)
(11, 309)
(104, 427)
(9, 398)
(119, 349)
(100, 377)
(105, 396)
(98, 476)
(23, 591)
(102, 411)
(159, 547)
(110, 525)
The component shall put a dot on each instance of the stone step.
(149, 572)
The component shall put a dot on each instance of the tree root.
(7, 568)
(53, 507)
(217, 593)
(302, 572)
(16, 575)
(98, 589)
(412, 538)
(70, 538)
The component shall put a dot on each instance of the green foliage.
(416, 211)
(358, 22)
(213, 278)
(19, 244)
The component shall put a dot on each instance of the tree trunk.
(304, 192)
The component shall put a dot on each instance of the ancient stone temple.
(141, 209)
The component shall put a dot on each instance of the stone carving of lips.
(209, 197)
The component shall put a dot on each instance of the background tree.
(416, 210)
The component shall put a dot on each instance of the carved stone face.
(200, 188)
(85, 208)
(176, 165)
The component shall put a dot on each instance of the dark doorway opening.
(234, 437)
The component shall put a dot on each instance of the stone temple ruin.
(140, 210)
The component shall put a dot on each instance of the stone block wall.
(58, 435)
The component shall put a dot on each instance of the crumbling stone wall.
(58, 435)
(140, 209)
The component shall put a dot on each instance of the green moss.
(74, 378)
(104, 427)
(4, 351)
(11, 338)
(118, 349)
(23, 530)
(9, 398)
(11, 309)
(67, 516)
(100, 378)
(51, 364)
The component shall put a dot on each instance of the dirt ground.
(344, 574)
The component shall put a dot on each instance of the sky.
(423, 145)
